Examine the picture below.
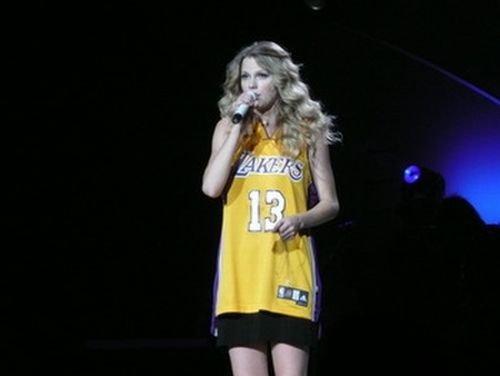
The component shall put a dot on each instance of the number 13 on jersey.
(264, 217)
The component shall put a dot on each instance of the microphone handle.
(240, 113)
(243, 109)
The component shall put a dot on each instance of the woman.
(271, 166)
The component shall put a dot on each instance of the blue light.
(471, 164)
(412, 174)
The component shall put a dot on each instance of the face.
(256, 79)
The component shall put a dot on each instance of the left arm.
(327, 207)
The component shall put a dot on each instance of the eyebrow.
(260, 70)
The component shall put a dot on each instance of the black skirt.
(236, 329)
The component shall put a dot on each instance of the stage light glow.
(420, 182)
(315, 4)
(411, 174)
(472, 169)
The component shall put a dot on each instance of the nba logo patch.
(300, 297)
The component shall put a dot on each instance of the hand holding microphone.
(243, 108)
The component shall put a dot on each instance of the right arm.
(225, 142)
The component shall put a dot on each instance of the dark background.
(110, 109)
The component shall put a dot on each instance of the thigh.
(249, 361)
(290, 360)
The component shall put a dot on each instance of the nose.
(253, 83)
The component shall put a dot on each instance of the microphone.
(242, 109)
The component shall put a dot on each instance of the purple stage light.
(412, 174)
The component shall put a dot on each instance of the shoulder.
(320, 152)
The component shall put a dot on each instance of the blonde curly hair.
(303, 120)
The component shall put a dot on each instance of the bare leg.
(289, 360)
(249, 361)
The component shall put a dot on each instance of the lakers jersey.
(256, 269)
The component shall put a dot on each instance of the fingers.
(287, 228)
(247, 97)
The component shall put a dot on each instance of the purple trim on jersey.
(317, 307)
(312, 195)
(312, 200)
(215, 290)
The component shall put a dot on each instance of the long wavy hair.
(303, 121)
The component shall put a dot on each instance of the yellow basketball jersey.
(256, 269)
